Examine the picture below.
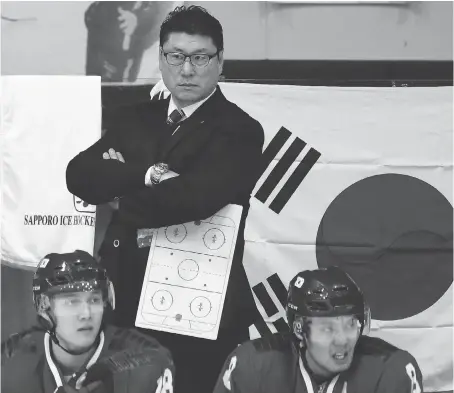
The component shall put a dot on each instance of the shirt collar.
(188, 110)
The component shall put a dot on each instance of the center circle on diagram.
(188, 269)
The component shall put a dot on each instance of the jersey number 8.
(415, 388)
(228, 373)
(165, 383)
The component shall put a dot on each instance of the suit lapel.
(154, 111)
(152, 118)
(187, 127)
(196, 124)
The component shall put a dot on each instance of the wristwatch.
(157, 170)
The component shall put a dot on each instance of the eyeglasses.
(197, 60)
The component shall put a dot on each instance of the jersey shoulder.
(134, 342)
(27, 342)
(374, 346)
(134, 359)
(266, 350)
(383, 368)
(277, 342)
(21, 354)
(381, 349)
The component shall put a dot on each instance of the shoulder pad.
(129, 359)
(27, 341)
(281, 342)
(375, 346)
(118, 339)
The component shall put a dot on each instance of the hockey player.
(326, 350)
(74, 351)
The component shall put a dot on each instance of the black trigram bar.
(279, 288)
(281, 325)
(274, 146)
(294, 180)
(265, 299)
(270, 308)
(262, 327)
(279, 170)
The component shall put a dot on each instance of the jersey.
(273, 364)
(134, 362)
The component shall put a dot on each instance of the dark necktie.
(172, 122)
(174, 118)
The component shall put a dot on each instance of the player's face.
(78, 318)
(331, 344)
(189, 83)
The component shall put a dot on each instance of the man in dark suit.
(207, 154)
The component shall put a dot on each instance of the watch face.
(161, 167)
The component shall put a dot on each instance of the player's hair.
(192, 20)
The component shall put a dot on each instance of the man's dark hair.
(192, 20)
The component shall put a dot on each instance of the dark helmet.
(77, 271)
(327, 292)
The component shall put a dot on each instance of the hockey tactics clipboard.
(187, 274)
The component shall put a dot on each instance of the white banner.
(360, 178)
(47, 120)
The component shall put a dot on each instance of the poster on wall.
(117, 40)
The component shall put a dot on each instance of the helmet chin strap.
(54, 338)
(74, 353)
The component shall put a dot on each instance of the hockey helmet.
(326, 292)
(77, 271)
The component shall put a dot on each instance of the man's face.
(331, 343)
(188, 83)
(78, 317)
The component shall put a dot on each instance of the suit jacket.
(217, 154)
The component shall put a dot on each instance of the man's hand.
(113, 155)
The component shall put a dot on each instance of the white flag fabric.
(47, 120)
(361, 178)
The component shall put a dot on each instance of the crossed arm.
(225, 171)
